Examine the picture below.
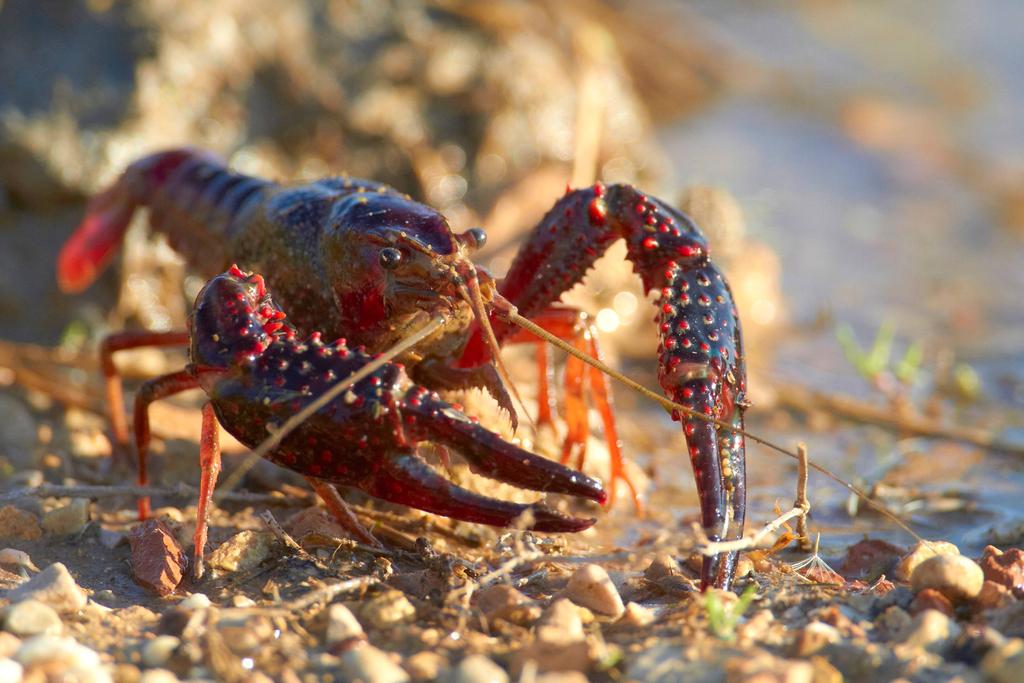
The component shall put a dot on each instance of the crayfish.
(362, 262)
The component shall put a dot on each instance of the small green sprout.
(722, 618)
(876, 362)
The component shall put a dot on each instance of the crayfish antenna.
(470, 291)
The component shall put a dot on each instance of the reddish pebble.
(1005, 568)
(930, 598)
(158, 562)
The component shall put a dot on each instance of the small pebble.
(157, 651)
(814, 637)
(929, 598)
(387, 610)
(477, 669)
(637, 615)
(195, 601)
(19, 524)
(1005, 568)
(955, 576)
(243, 551)
(65, 650)
(53, 586)
(157, 559)
(342, 626)
(559, 643)
(426, 665)
(918, 554)
(502, 601)
(32, 618)
(1005, 664)
(18, 432)
(158, 676)
(591, 587)
(67, 520)
(111, 539)
(242, 601)
(12, 557)
(562, 677)
(369, 664)
(10, 671)
(931, 630)
(661, 567)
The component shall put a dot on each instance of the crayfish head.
(389, 260)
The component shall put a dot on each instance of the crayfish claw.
(408, 480)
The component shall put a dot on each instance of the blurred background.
(858, 166)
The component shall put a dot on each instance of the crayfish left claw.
(408, 480)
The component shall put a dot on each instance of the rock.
(1004, 568)
(195, 601)
(158, 562)
(158, 676)
(12, 557)
(893, 623)
(426, 665)
(69, 519)
(502, 601)
(244, 551)
(32, 618)
(1005, 664)
(637, 615)
(371, 665)
(931, 630)
(955, 576)
(65, 650)
(10, 671)
(53, 586)
(662, 566)
(870, 558)
(559, 643)
(156, 652)
(929, 598)
(343, 629)
(477, 669)
(918, 554)
(993, 596)
(561, 677)
(767, 668)
(813, 637)
(591, 587)
(111, 539)
(387, 610)
(19, 524)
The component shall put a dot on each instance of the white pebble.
(955, 576)
(65, 650)
(342, 625)
(591, 587)
(55, 586)
(477, 669)
(195, 601)
(10, 671)
(32, 618)
(369, 664)
(17, 558)
(157, 651)
(918, 554)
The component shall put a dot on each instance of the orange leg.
(573, 325)
(341, 511)
(209, 461)
(114, 390)
(154, 390)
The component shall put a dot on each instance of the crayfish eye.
(390, 258)
(475, 238)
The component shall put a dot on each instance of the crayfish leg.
(209, 462)
(122, 341)
(341, 512)
(154, 390)
(574, 326)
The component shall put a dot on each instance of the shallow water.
(874, 161)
